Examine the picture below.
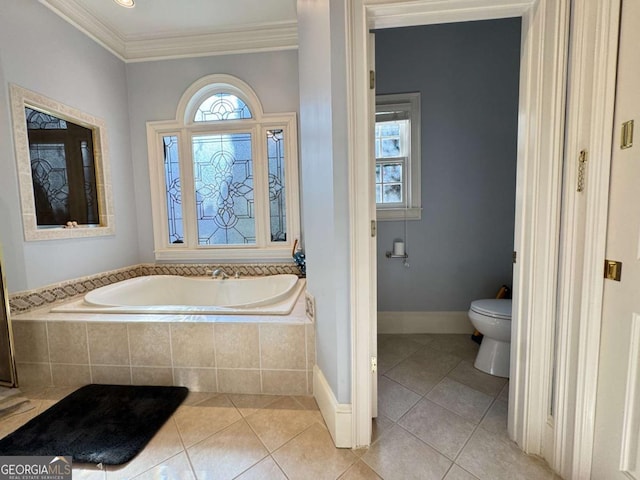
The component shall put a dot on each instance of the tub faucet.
(218, 272)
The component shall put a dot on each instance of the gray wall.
(467, 74)
(43, 53)
(155, 89)
(324, 172)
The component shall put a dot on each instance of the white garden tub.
(172, 294)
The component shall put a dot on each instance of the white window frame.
(411, 181)
(185, 128)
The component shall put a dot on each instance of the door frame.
(590, 126)
(545, 28)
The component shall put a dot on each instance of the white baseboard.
(336, 415)
(424, 322)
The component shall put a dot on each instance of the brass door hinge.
(374, 364)
(372, 79)
(626, 135)
(514, 257)
(612, 270)
(373, 228)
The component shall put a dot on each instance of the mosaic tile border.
(21, 302)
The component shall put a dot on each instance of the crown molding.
(246, 39)
(397, 13)
(254, 38)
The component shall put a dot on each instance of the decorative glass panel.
(389, 181)
(277, 204)
(62, 170)
(173, 189)
(222, 106)
(223, 174)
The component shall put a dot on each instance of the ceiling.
(158, 29)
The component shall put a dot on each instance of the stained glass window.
(62, 170)
(222, 106)
(173, 189)
(234, 195)
(223, 174)
(277, 199)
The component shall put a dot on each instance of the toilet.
(492, 318)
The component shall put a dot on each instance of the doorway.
(541, 115)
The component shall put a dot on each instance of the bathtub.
(125, 333)
(173, 294)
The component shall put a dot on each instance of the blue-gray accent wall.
(461, 249)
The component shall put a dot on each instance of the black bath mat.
(106, 424)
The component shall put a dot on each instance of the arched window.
(224, 176)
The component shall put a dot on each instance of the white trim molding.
(592, 80)
(21, 98)
(424, 322)
(336, 415)
(630, 461)
(263, 37)
(545, 33)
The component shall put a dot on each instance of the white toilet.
(492, 318)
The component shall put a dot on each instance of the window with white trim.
(398, 157)
(224, 176)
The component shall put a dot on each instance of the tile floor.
(439, 419)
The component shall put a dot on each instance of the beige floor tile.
(45, 404)
(88, 472)
(416, 375)
(392, 349)
(467, 374)
(248, 404)
(267, 469)
(194, 398)
(277, 424)
(307, 402)
(197, 422)
(399, 455)
(227, 454)
(379, 426)
(56, 393)
(435, 425)
(495, 420)
(435, 361)
(459, 345)
(173, 468)
(165, 444)
(401, 345)
(504, 394)
(421, 338)
(312, 455)
(11, 423)
(461, 399)
(360, 471)
(394, 400)
(491, 457)
(457, 473)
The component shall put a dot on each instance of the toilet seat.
(494, 308)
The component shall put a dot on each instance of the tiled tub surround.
(212, 353)
(26, 301)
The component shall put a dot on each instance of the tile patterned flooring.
(439, 418)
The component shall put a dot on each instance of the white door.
(616, 453)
